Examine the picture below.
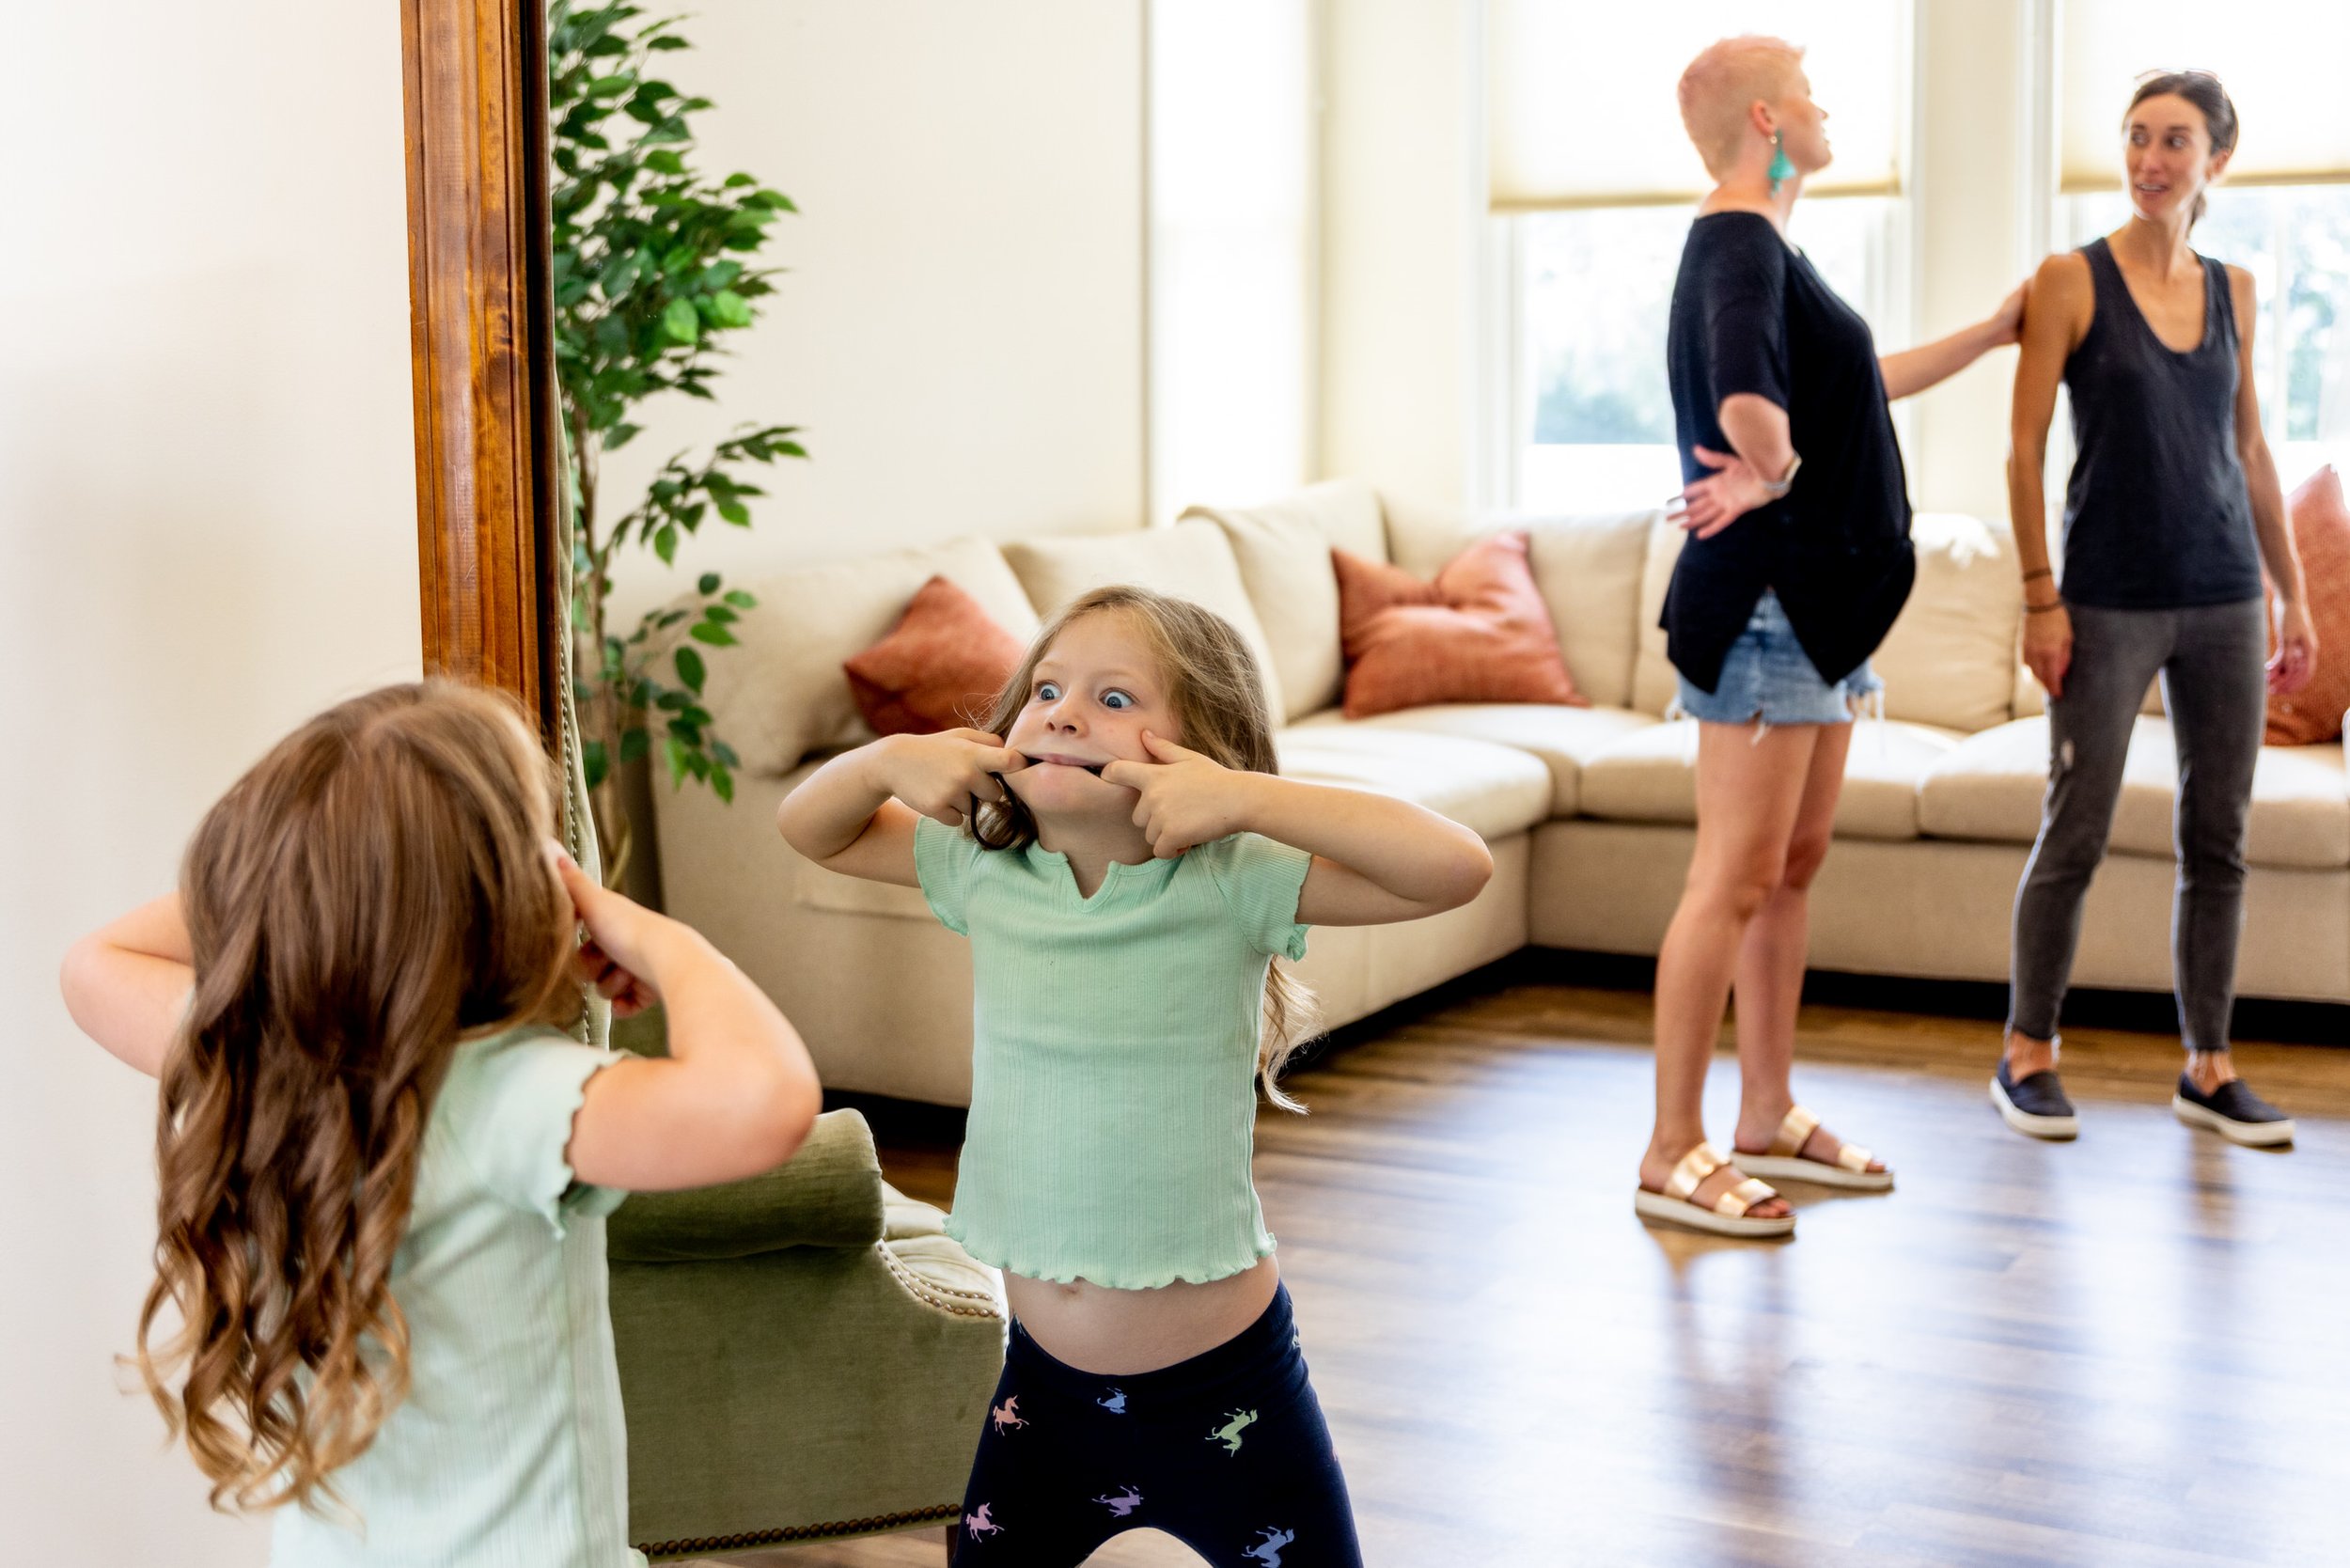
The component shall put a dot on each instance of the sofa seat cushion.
(1651, 777)
(1496, 790)
(1563, 738)
(1990, 788)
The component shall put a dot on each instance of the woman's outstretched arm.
(1913, 370)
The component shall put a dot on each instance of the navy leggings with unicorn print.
(1227, 1451)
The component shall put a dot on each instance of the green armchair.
(804, 1356)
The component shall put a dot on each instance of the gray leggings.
(2210, 659)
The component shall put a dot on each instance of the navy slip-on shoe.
(2232, 1111)
(2035, 1107)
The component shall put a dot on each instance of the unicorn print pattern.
(1115, 1402)
(979, 1524)
(1229, 1434)
(1122, 1504)
(1268, 1551)
(1007, 1415)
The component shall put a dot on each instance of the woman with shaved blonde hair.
(1798, 560)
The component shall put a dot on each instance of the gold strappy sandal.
(1784, 1162)
(1728, 1215)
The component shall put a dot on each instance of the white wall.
(206, 532)
(1402, 181)
(1972, 181)
(962, 327)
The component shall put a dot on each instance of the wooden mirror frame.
(489, 478)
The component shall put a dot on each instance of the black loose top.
(1750, 314)
(2156, 514)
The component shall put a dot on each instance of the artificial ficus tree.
(652, 267)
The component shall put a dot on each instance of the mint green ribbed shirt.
(1114, 1054)
(508, 1450)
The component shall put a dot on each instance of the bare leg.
(1771, 964)
(1750, 788)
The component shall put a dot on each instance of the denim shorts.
(1768, 676)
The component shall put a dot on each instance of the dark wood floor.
(2130, 1350)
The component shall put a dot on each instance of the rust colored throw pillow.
(2321, 531)
(938, 669)
(1480, 633)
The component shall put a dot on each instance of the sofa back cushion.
(1191, 560)
(1587, 568)
(1654, 683)
(782, 693)
(1283, 551)
(1949, 660)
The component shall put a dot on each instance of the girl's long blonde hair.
(371, 892)
(1217, 692)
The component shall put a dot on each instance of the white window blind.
(1580, 97)
(2280, 59)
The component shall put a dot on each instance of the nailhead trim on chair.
(936, 1514)
(981, 1304)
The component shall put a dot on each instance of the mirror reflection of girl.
(1129, 868)
(2171, 514)
(384, 1167)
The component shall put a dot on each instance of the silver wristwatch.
(1776, 489)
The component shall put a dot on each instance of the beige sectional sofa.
(1589, 812)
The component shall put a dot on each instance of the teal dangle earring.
(1782, 168)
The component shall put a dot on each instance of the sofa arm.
(828, 1195)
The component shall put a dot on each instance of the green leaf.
(667, 41)
(720, 614)
(592, 760)
(724, 752)
(711, 633)
(708, 583)
(608, 87)
(636, 743)
(740, 599)
(737, 180)
(689, 669)
(735, 512)
(665, 161)
(730, 308)
(664, 546)
(620, 436)
(722, 782)
(673, 752)
(681, 321)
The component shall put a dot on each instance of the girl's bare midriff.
(1121, 1333)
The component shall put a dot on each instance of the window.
(1590, 245)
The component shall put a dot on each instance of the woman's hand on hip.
(1720, 498)
(2048, 646)
(2295, 659)
(1184, 797)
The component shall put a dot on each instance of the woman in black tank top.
(2171, 511)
